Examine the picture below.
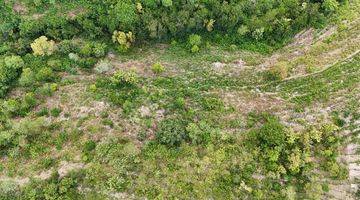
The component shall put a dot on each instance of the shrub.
(42, 46)
(158, 68)
(330, 6)
(9, 190)
(27, 77)
(99, 50)
(243, 30)
(74, 57)
(103, 66)
(28, 103)
(11, 107)
(47, 89)
(55, 112)
(66, 46)
(201, 133)
(194, 42)
(167, 3)
(171, 132)
(194, 39)
(124, 78)
(124, 15)
(45, 74)
(277, 72)
(124, 39)
(195, 49)
(209, 24)
(9, 71)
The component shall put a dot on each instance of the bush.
(124, 15)
(158, 68)
(201, 133)
(194, 42)
(55, 112)
(103, 66)
(45, 74)
(123, 39)
(10, 68)
(171, 132)
(27, 77)
(124, 78)
(277, 72)
(167, 3)
(330, 6)
(42, 46)
(11, 107)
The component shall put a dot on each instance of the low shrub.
(45, 74)
(194, 42)
(42, 46)
(27, 77)
(103, 66)
(10, 68)
(171, 132)
(277, 72)
(124, 78)
(157, 68)
(123, 39)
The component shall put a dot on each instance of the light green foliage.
(8, 189)
(45, 74)
(27, 77)
(330, 5)
(195, 49)
(167, 3)
(195, 42)
(194, 39)
(10, 67)
(42, 46)
(157, 68)
(124, 78)
(243, 30)
(201, 133)
(258, 33)
(123, 15)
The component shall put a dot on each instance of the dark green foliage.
(270, 21)
(55, 112)
(171, 132)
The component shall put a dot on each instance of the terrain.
(101, 119)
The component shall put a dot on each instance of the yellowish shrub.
(42, 46)
(124, 39)
(279, 71)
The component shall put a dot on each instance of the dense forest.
(179, 99)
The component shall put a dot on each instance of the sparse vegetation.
(169, 99)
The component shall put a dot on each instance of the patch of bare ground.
(141, 67)
(20, 8)
(67, 167)
(245, 102)
(72, 14)
(234, 68)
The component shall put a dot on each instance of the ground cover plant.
(175, 99)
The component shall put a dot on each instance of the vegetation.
(170, 99)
